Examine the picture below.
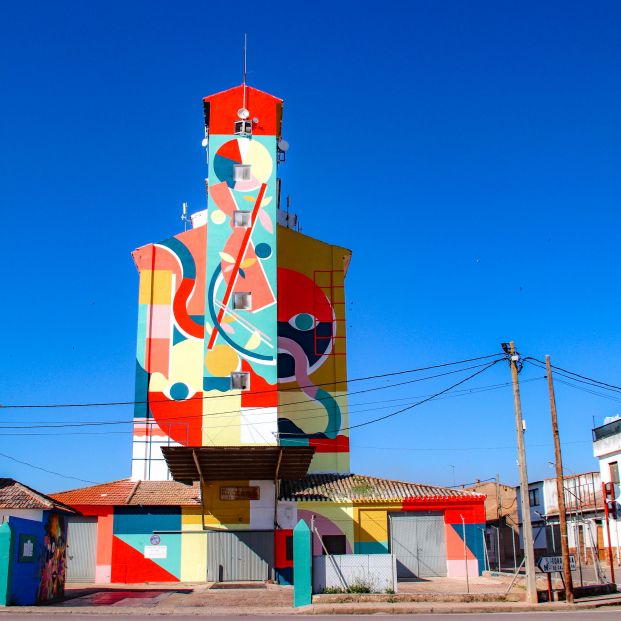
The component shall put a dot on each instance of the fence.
(378, 572)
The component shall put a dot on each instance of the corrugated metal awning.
(221, 463)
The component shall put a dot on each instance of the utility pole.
(560, 490)
(527, 528)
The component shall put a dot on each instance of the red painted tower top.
(221, 111)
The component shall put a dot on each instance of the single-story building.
(33, 545)
(161, 531)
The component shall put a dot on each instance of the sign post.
(553, 564)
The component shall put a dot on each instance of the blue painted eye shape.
(303, 321)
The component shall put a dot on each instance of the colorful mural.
(240, 295)
(312, 370)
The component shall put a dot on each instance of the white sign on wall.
(155, 551)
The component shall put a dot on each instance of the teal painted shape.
(141, 338)
(6, 561)
(178, 337)
(183, 254)
(141, 389)
(199, 319)
(302, 579)
(217, 383)
(474, 541)
(294, 441)
(371, 547)
(172, 562)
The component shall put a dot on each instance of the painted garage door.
(81, 549)
(417, 540)
(240, 555)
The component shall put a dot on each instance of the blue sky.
(468, 154)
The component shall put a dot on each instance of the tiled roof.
(127, 492)
(357, 487)
(15, 495)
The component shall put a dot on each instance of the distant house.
(607, 449)
(33, 545)
(501, 523)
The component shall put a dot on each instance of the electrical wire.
(236, 411)
(460, 393)
(276, 388)
(59, 474)
(577, 377)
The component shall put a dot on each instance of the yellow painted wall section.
(316, 273)
(341, 515)
(221, 418)
(193, 546)
(225, 513)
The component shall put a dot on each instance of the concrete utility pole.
(527, 529)
(560, 490)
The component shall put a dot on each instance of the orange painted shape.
(156, 355)
(340, 444)
(455, 545)
(180, 310)
(222, 197)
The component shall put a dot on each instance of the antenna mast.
(245, 51)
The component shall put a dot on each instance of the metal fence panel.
(418, 542)
(236, 556)
(378, 571)
(81, 549)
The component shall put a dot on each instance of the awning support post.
(202, 487)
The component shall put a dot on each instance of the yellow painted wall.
(193, 546)
(225, 513)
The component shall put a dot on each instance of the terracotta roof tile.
(356, 487)
(127, 492)
(16, 495)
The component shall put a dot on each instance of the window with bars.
(614, 472)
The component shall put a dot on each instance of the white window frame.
(242, 378)
(242, 219)
(242, 172)
(238, 300)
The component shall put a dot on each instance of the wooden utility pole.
(527, 528)
(560, 490)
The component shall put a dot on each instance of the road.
(579, 615)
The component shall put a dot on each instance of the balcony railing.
(605, 431)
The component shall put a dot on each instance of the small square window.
(241, 219)
(242, 172)
(240, 380)
(243, 128)
(334, 544)
(242, 300)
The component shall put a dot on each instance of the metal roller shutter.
(240, 555)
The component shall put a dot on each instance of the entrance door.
(417, 541)
(240, 555)
(81, 549)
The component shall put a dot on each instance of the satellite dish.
(283, 145)
(204, 142)
(243, 114)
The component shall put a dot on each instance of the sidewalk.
(201, 600)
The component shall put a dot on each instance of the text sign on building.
(551, 564)
(27, 546)
(156, 551)
(240, 492)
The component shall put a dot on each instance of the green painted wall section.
(302, 565)
(6, 556)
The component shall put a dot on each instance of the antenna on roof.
(245, 66)
(184, 215)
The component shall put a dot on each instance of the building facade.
(607, 449)
(241, 422)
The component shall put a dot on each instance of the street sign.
(551, 564)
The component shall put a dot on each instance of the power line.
(59, 474)
(409, 407)
(459, 393)
(601, 384)
(235, 412)
(275, 389)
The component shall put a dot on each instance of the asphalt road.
(579, 615)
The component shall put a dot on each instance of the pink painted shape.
(158, 321)
(324, 526)
(222, 197)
